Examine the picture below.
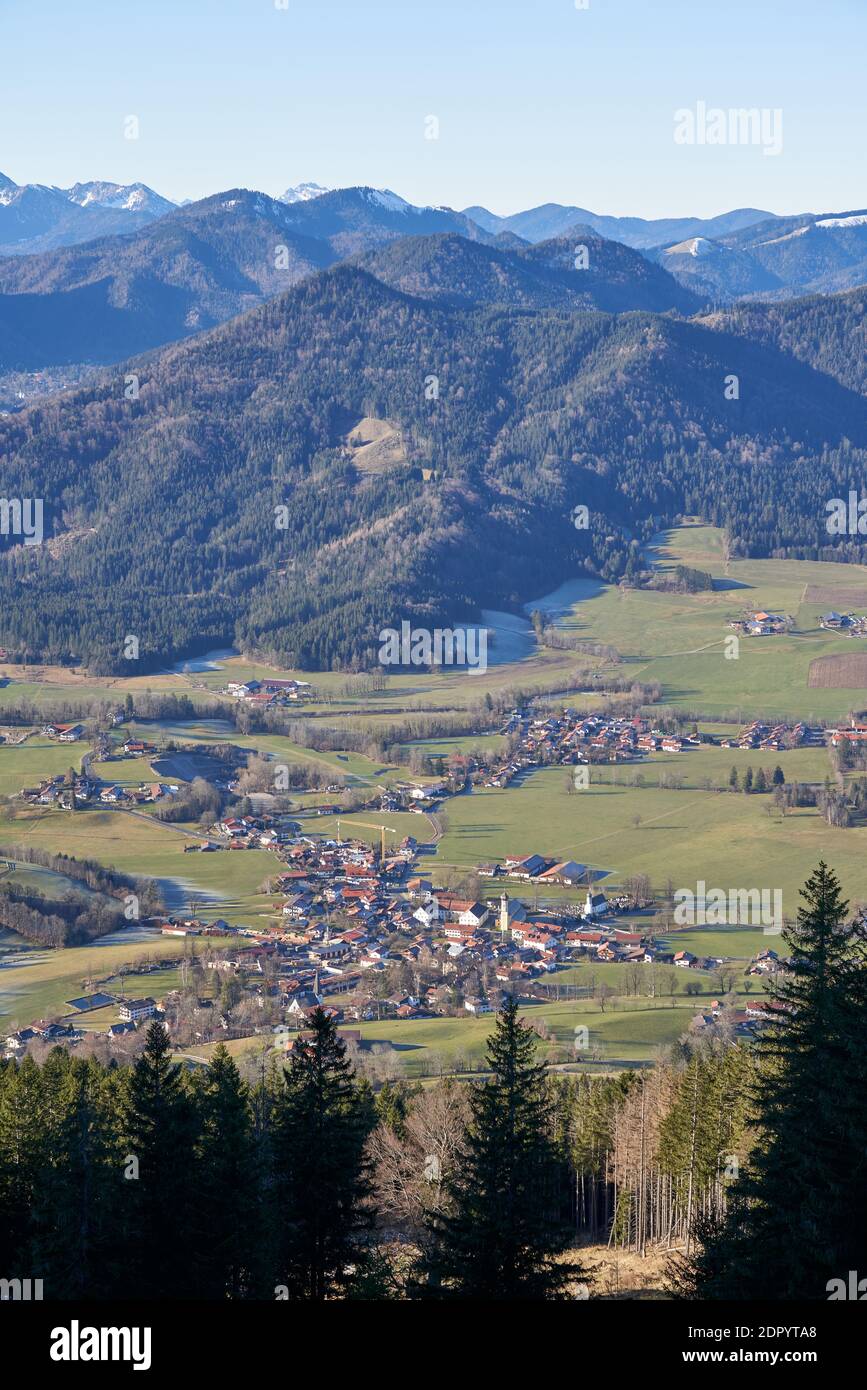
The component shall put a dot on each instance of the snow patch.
(858, 219)
(694, 246)
(799, 231)
(386, 199)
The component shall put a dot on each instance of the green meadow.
(225, 884)
(36, 983)
(679, 640)
(627, 1031)
(727, 839)
(26, 764)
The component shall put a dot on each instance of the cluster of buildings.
(775, 737)
(853, 732)
(131, 1013)
(55, 791)
(852, 623)
(268, 693)
(761, 624)
(63, 733)
(87, 791)
(575, 738)
(745, 1023)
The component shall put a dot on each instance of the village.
(361, 930)
(361, 933)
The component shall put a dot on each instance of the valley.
(666, 819)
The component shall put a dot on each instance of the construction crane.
(365, 825)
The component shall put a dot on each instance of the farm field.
(667, 980)
(679, 639)
(727, 839)
(36, 983)
(844, 671)
(26, 764)
(349, 766)
(225, 884)
(698, 767)
(629, 1032)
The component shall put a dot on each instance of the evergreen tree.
(748, 780)
(322, 1121)
(761, 782)
(79, 1209)
(501, 1233)
(779, 776)
(159, 1173)
(23, 1148)
(734, 780)
(797, 1217)
(225, 1206)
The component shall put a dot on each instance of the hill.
(452, 269)
(107, 299)
(556, 220)
(352, 220)
(829, 332)
(166, 504)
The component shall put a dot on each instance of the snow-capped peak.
(132, 197)
(303, 193)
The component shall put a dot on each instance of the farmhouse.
(567, 872)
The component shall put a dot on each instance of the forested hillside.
(161, 512)
(119, 295)
(827, 331)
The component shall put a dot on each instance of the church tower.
(504, 911)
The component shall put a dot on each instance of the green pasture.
(727, 839)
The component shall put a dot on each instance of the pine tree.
(734, 779)
(748, 780)
(159, 1166)
(322, 1121)
(501, 1232)
(80, 1198)
(761, 782)
(779, 776)
(797, 1215)
(23, 1154)
(225, 1207)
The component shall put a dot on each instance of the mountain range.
(554, 220)
(209, 261)
(158, 273)
(536, 409)
(35, 217)
(813, 253)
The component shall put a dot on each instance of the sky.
(542, 101)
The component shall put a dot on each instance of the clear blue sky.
(537, 101)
